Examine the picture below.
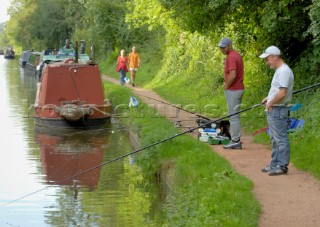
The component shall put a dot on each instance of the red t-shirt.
(122, 63)
(234, 62)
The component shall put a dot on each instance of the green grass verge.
(305, 143)
(206, 189)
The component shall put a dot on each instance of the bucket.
(213, 141)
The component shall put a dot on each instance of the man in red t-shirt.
(233, 89)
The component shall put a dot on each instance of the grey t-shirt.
(282, 78)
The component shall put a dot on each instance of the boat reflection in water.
(64, 158)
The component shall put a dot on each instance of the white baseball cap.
(271, 50)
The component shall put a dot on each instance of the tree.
(37, 23)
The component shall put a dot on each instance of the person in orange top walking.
(134, 63)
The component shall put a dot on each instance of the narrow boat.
(71, 95)
(29, 59)
(10, 53)
(25, 55)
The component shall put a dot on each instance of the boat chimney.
(92, 52)
(82, 46)
(76, 52)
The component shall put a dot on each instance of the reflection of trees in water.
(122, 197)
(135, 205)
(123, 202)
(68, 211)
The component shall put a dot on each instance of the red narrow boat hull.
(71, 96)
(89, 123)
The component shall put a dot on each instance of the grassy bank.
(305, 143)
(206, 190)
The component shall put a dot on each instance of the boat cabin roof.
(25, 56)
(61, 55)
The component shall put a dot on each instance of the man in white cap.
(233, 89)
(277, 111)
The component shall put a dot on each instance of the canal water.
(44, 177)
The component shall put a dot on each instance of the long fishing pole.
(177, 107)
(152, 145)
(306, 88)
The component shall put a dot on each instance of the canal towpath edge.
(286, 200)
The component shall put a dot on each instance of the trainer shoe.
(233, 145)
(278, 171)
(266, 169)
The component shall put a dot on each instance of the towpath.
(287, 200)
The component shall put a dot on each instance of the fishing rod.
(306, 88)
(198, 115)
(151, 145)
(177, 107)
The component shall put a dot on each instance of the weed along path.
(286, 200)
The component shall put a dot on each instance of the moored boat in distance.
(10, 53)
(71, 96)
(29, 59)
(24, 58)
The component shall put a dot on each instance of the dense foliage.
(171, 26)
(41, 24)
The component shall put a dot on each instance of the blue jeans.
(122, 73)
(278, 126)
